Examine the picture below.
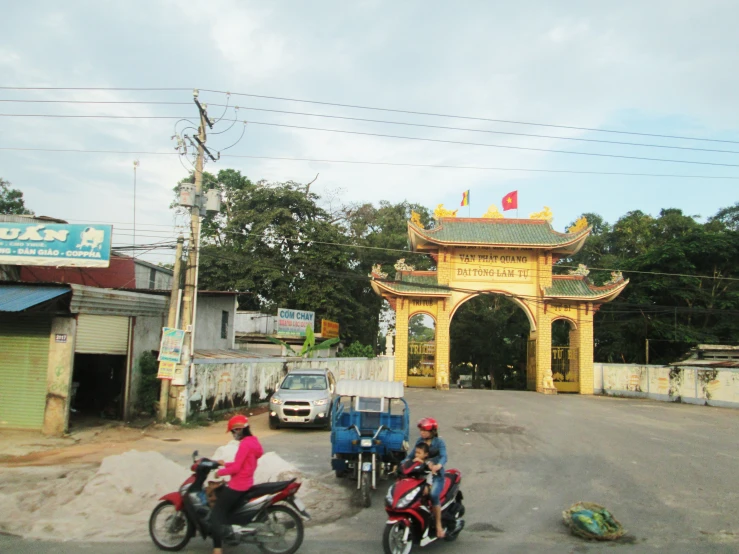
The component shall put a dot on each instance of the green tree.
(357, 350)
(279, 248)
(11, 200)
(681, 291)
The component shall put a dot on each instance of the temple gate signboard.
(512, 257)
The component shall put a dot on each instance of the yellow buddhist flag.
(465, 198)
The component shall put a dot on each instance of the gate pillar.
(402, 311)
(443, 321)
(584, 343)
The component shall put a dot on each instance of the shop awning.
(16, 298)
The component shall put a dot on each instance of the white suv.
(303, 398)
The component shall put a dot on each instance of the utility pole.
(174, 304)
(191, 276)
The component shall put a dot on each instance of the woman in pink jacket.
(241, 471)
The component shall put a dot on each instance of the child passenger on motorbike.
(241, 471)
(430, 438)
(420, 457)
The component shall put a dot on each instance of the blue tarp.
(16, 298)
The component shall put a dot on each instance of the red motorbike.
(410, 519)
(269, 515)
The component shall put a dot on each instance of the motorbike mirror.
(194, 455)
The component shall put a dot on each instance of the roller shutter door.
(102, 334)
(24, 360)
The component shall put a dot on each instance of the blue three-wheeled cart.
(369, 433)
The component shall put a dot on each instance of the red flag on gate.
(510, 201)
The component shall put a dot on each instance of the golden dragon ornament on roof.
(579, 225)
(441, 211)
(546, 214)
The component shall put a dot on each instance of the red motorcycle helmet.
(237, 422)
(428, 424)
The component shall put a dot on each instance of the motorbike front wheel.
(393, 539)
(169, 529)
(282, 532)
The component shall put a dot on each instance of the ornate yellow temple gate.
(511, 257)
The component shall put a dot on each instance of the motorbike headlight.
(275, 400)
(320, 402)
(407, 498)
(365, 443)
(389, 496)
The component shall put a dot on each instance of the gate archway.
(488, 341)
(513, 257)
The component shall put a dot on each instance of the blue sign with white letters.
(55, 245)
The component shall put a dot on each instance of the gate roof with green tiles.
(510, 233)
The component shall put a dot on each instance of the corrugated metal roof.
(16, 298)
(93, 300)
(370, 389)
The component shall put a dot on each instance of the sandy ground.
(101, 484)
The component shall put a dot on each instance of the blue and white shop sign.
(55, 245)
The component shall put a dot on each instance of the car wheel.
(274, 423)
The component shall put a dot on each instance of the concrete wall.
(256, 322)
(162, 279)
(208, 325)
(220, 386)
(692, 385)
(147, 333)
(59, 376)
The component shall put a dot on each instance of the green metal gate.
(24, 359)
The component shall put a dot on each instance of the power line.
(482, 168)
(401, 137)
(488, 145)
(656, 273)
(390, 164)
(374, 108)
(365, 120)
(130, 89)
(432, 114)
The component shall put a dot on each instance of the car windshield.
(304, 382)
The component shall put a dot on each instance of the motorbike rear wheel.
(283, 523)
(169, 529)
(392, 539)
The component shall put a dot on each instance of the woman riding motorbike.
(429, 430)
(241, 471)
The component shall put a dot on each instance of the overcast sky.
(655, 67)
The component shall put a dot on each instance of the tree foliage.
(274, 243)
(357, 350)
(698, 305)
(11, 200)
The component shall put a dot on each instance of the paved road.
(667, 471)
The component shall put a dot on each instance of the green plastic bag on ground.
(592, 521)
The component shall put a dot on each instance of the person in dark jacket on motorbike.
(241, 471)
(429, 430)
